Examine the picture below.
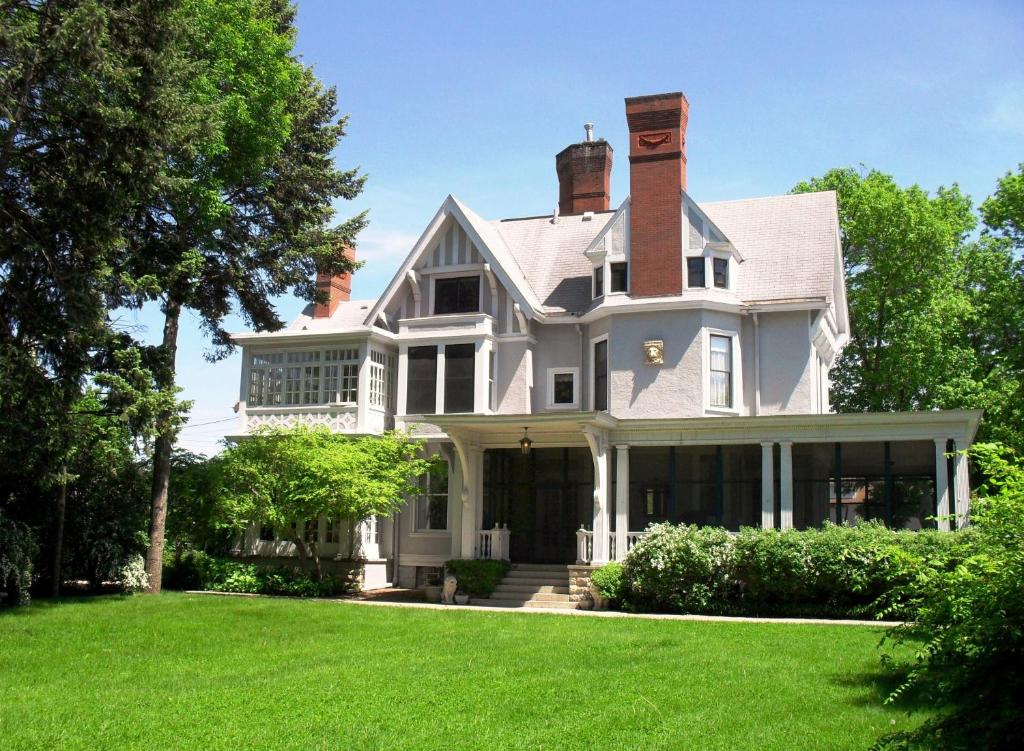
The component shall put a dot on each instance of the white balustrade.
(339, 418)
(585, 544)
(493, 543)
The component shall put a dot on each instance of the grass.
(200, 672)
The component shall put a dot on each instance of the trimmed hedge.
(198, 570)
(833, 571)
(477, 578)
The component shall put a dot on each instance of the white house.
(668, 360)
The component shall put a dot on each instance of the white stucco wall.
(558, 346)
(786, 357)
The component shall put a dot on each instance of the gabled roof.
(488, 241)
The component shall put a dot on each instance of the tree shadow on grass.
(44, 605)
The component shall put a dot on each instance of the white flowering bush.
(17, 549)
(680, 568)
(131, 574)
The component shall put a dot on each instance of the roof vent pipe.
(589, 128)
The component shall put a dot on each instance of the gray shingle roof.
(788, 244)
(551, 256)
(348, 316)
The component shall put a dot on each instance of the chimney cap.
(589, 129)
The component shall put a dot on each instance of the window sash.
(620, 277)
(601, 375)
(563, 388)
(432, 503)
(721, 371)
(695, 273)
(599, 281)
(720, 269)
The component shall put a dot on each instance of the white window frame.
(575, 373)
(735, 397)
(446, 532)
(598, 293)
(434, 276)
(591, 379)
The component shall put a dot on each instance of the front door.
(543, 497)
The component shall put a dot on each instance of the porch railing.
(585, 544)
(492, 544)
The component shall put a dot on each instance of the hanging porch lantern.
(525, 443)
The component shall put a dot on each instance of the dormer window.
(458, 294)
(695, 272)
(620, 277)
(721, 272)
(598, 281)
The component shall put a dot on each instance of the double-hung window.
(598, 281)
(721, 371)
(601, 375)
(432, 502)
(720, 270)
(620, 277)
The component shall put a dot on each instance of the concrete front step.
(508, 586)
(559, 605)
(522, 581)
(532, 596)
(555, 567)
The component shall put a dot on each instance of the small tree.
(283, 477)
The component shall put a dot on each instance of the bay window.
(459, 371)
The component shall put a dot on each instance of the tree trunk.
(162, 452)
(58, 541)
(308, 550)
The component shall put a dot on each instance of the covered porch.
(591, 484)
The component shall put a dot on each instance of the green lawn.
(201, 672)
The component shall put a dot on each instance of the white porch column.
(962, 490)
(621, 500)
(786, 485)
(942, 484)
(599, 452)
(470, 461)
(767, 484)
(439, 389)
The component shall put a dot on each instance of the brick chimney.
(584, 173)
(657, 176)
(338, 289)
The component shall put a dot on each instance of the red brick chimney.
(584, 173)
(657, 176)
(338, 289)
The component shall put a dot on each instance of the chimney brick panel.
(337, 288)
(584, 177)
(657, 177)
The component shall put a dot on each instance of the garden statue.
(448, 591)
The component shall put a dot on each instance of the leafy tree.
(900, 255)
(1003, 211)
(970, 621)
(244, 207)
(284, 478)
(88, 102)
(192, 505)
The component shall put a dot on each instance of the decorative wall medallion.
(654, 352)
(652, 140)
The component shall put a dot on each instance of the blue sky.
(475, 99)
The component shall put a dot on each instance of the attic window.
(598, 281)
(695, 272)
(620, 277)
(721, 272)
(459, 294)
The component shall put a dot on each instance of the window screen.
(599, 281)
(721, 270)
(620, 277)
(459, 364)
(601, 375)
(457, 295)
(721, 371)
(421, 384)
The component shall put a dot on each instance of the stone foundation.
(579, 585)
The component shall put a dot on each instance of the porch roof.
(567, 429)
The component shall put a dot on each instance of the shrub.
(680, 568)
(608, 580)
(198, 570)
(131, 575)
(970, 619)
(477, 578)
(17, 551)
(835, 571)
